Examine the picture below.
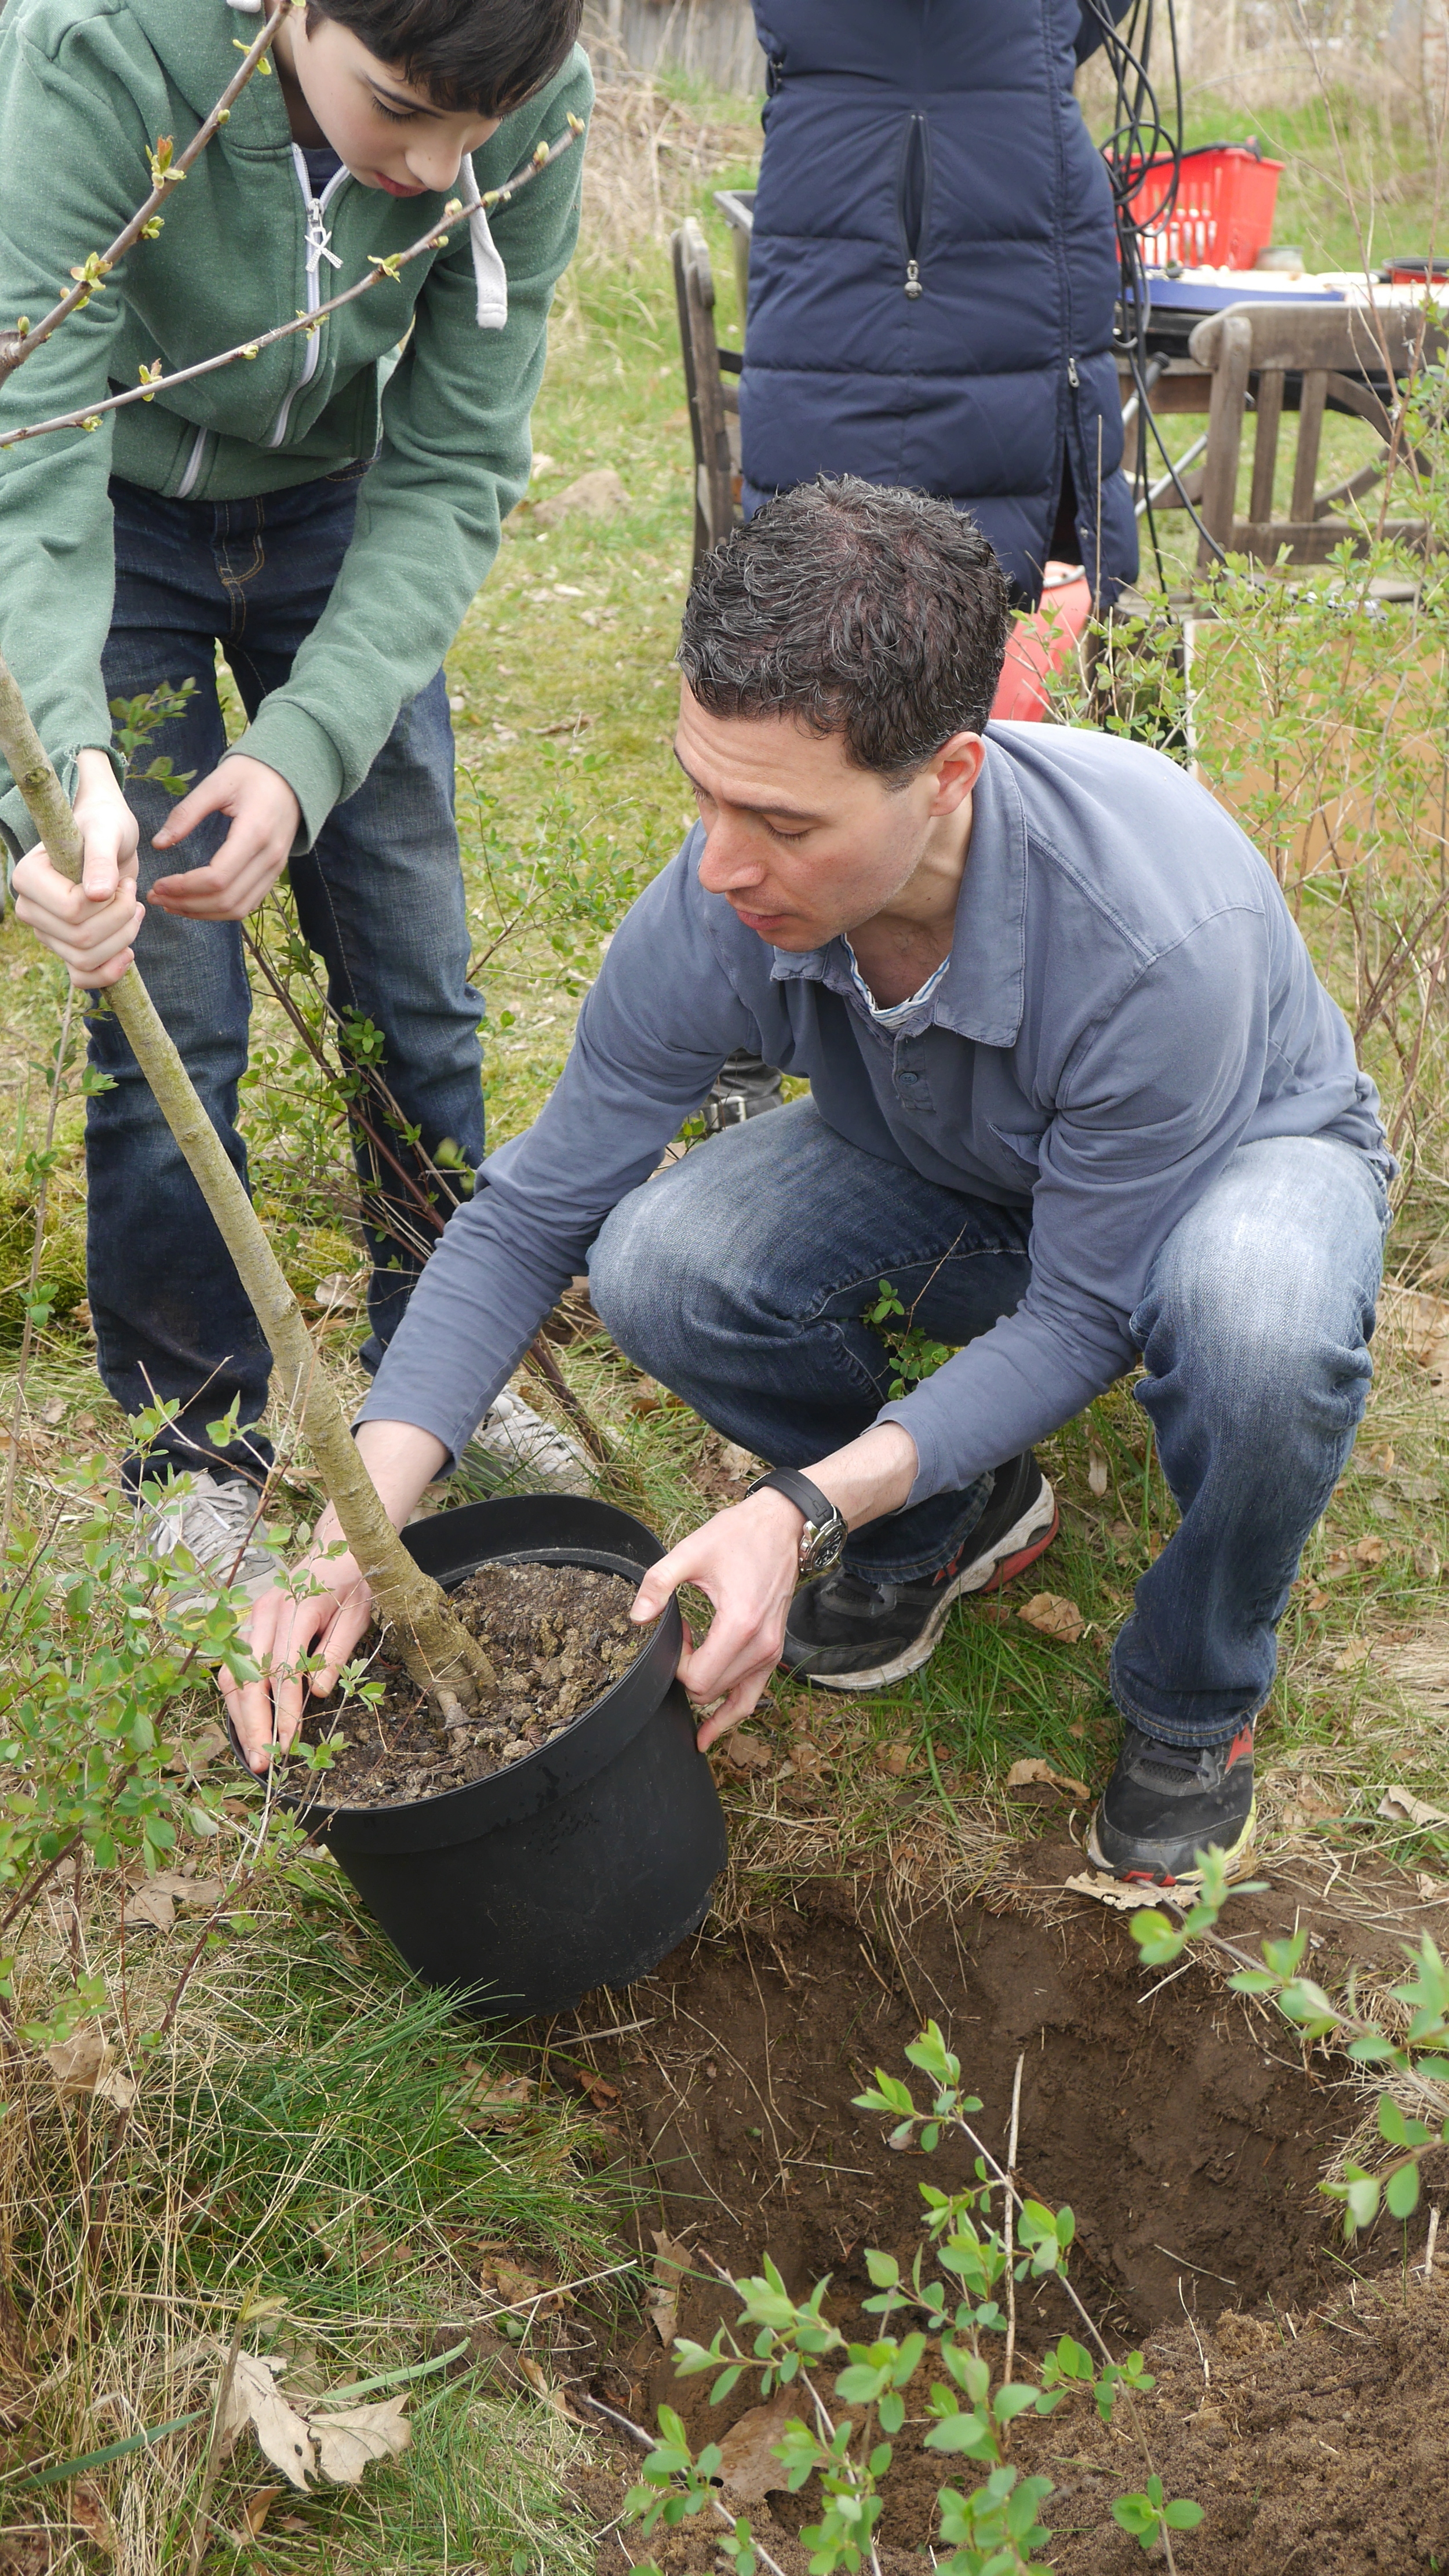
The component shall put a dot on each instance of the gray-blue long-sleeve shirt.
(1128, 999)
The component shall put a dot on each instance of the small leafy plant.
(1417, 2066)
(915, 1355)
(980, 2242)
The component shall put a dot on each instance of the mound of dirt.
(1187, 2137)
(1317, 2447)
(558, 1636)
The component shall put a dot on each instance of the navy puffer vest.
(933, 270)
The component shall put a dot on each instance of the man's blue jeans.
(380, 899)
(740, 1276)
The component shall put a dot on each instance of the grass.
(314, 2138)
(310, 2131)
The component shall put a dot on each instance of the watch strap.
(819, 1511)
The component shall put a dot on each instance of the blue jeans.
(380, 900)
(739, 1278)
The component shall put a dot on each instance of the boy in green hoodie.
(325, 511)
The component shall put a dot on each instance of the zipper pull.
(318, 239)
(913, 280)
(1073, 379)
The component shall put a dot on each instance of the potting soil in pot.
(558, 1637)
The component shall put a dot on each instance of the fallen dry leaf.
(1317, 1601)
(258, 2506)
(746, 2461)
(1427, 1562)
(1371, 1550)
(544, 2388)
(88, 2508)
(337, 2446)
(1399, 1806)
(1337, 1562)
(1027, 1774)
(893, 1759)
(1112, 1891)
(337, 1294)
(1052, 1616)
(517, 2289)
(667, 2270)
(1430, 1889)
(747, 1752)
(1124, 1529)
(1354, 1656)
(598, 2088)
(254, 2398)
(82, 2065)
(1097, 1474)
(348, 2438)
(53, 1410)
(502, 2104)
(150, 1904)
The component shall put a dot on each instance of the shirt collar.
(982, 993)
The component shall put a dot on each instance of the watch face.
(821, 1543)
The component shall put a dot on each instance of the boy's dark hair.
(487, 55)
(876, 614)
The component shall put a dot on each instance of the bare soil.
(558, 1637)
(1186, 2134)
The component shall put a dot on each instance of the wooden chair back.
(1281, 354)
(714, 402)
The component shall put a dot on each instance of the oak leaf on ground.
(1053, 1616)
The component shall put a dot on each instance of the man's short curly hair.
(876, 614)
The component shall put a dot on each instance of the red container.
(1041, 644)
(1223, 214)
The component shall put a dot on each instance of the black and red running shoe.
(851, 1634)
(1166, 1803)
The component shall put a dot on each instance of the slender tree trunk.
(440, 1655)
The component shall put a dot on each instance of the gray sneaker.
(213, 1520)
(515, 1449)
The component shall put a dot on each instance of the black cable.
(1140, 145)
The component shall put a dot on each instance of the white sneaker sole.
(1015, 1550)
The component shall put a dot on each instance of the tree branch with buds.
(441, 1657)
(168, 169)
(153, 382)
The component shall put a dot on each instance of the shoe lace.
(1176, 1759)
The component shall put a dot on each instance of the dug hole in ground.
(1299, 2382)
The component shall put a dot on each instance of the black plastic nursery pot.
(585, 1863)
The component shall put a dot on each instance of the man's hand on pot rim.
(325, 1608)
(747, 1562)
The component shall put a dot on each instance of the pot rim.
(506, 1797)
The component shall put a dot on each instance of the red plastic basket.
(1223, 214)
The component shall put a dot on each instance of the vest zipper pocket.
(913, 190)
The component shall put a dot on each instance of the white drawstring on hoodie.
(490, 277)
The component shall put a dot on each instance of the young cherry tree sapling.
(440, 1655)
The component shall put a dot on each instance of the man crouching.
(1076, 1092)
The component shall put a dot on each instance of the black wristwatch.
(824, 1534)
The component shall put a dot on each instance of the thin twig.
(213, 2448)
(1009, 2221)
(90, 415)
(15, 349)
(37, 1253)
(637, 2433)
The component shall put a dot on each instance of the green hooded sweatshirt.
(87, 87)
